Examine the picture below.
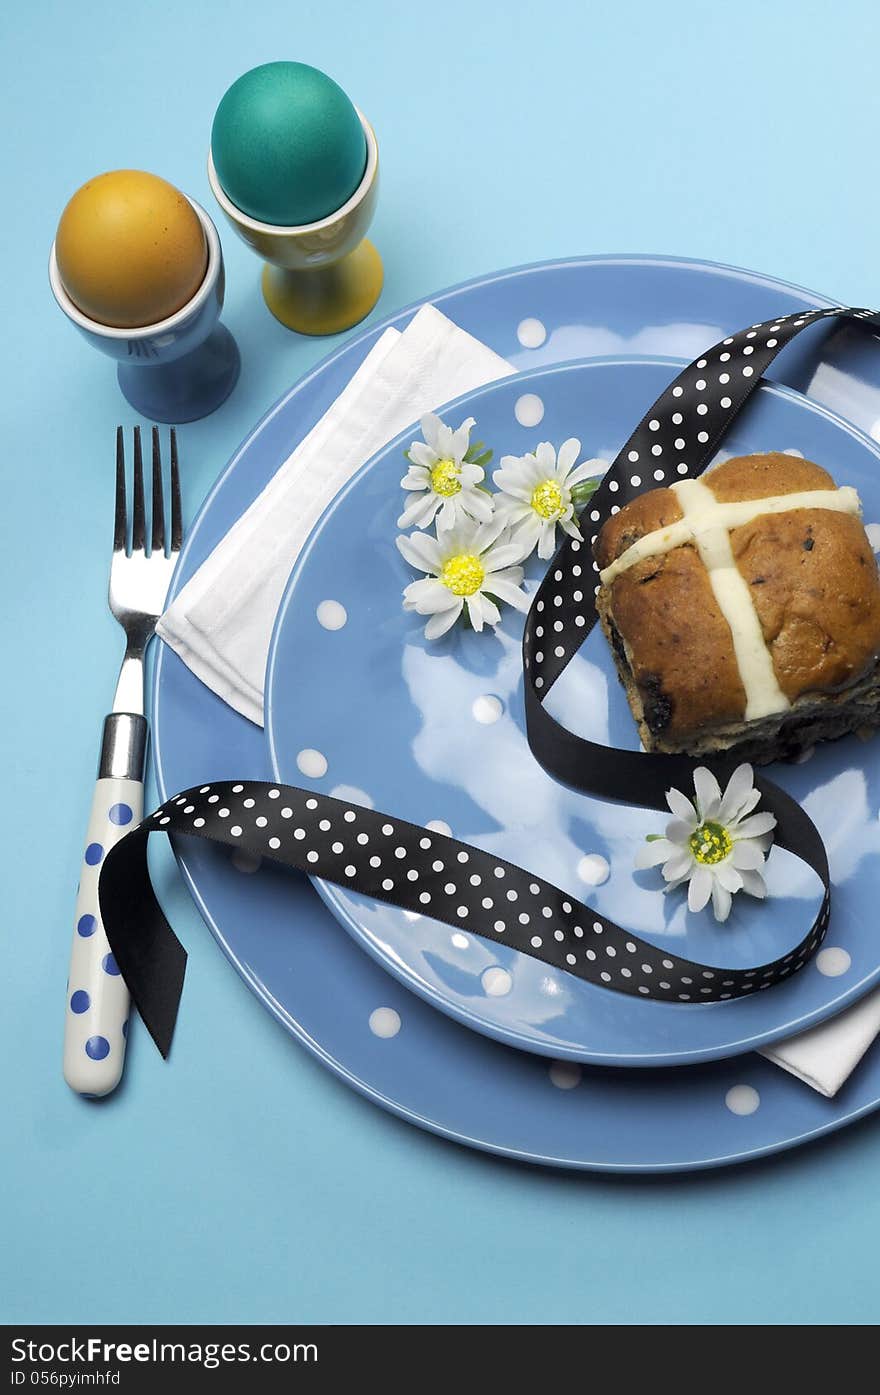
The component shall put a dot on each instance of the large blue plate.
(403, 719)
(317, 982)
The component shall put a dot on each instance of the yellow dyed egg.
(130, 249)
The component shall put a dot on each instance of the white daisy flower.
(466, 565)
(712, 843)
(536, 494)
(443, 483)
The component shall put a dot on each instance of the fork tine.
(119, 518)
(176, 511)
(158, 538)
(138, 522)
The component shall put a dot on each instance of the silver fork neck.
(129, 695)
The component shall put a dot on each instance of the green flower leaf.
(583, 491)
(653, 837)
(478, 454)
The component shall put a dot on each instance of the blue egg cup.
(180, 369)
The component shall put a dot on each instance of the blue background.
(242, 1182)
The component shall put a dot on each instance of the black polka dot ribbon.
(428, 873)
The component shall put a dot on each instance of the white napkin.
(221, 622)
(825, 1056)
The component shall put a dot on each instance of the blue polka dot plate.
(433, 731)
(342, 1005)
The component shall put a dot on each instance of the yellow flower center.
(710, 843)
(547, 500)
(463, 574)
(444, 478)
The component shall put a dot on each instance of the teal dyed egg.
(287, 144)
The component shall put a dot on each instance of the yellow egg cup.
(319, 278)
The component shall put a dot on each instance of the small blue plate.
(288, 948)
(404, 722)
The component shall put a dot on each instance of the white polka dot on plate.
(873, 532)
(246, 862)
(352, 795)
(496, 982)
(312, 763)
(487, 709)
(565, 1075)
(593, 869)
(833, 961)
(529, 409)
(332, 615)
(531, 333)
(742, 1099)
(438, 826)
(384, 1022)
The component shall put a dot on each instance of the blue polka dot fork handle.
(143, 560)
(391, 860)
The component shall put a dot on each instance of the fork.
(97, 1000)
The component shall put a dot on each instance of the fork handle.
(97, 999)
